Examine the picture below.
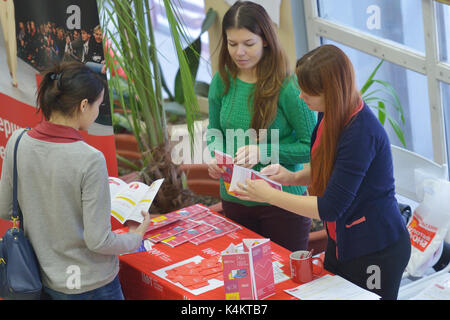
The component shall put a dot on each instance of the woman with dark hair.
(63, 191)
(350, 179)
(255, 92)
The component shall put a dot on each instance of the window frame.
(427, 64)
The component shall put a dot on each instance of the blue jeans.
(110, 291)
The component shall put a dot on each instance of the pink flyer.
(220, 229)
(175, 228)
(188, 235)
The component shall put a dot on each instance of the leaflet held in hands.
(234, 173)
(129, 199)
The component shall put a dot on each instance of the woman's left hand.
(255, 190)
(247, 156)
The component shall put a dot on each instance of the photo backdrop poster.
(34, 35)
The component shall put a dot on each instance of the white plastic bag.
(429, 225)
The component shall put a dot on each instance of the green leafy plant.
(174, 104)
(128, 28)
(378, 103)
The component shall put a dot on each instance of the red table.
(138, 281)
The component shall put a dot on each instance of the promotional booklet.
(234, 173)
(129, 199)
(248, 273)
(226, 162)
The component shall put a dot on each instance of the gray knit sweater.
(64, 195)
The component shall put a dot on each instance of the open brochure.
(129, 199)
(234, 173)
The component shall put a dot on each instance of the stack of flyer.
(196, 224)
(234, 173)
(178, 215)
(248, 272)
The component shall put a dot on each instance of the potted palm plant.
(128, 27)
(377, 101)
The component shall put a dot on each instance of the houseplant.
(379, 103)
(128, 25)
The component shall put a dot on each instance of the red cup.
(302, 266)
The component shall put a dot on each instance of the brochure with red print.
(188, 235)
(181, 214)
(226, 162)
(220, 229)
(173, 229)
(248, 272)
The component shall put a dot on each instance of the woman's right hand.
(140, 228)
(280, 174)
(214, 170)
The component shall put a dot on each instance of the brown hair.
(64, 86)
(327, 70)
(271, 70)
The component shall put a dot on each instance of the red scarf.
(51, 132)
(331, 226)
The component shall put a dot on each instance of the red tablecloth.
(138, 281)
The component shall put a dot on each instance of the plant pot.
(199, 181)
(127, 147)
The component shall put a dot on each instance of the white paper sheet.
(439, 289)
(331, 287)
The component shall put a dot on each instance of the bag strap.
(17, 213)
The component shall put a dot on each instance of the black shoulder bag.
(20, 277)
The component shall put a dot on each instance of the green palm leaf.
(379, 103)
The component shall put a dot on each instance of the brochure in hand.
(129, 199)
(225, 162)
(234, 173)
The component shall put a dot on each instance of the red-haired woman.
(350, 178)
(255, 90)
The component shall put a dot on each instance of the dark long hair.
(64, 86)
(327, 70)
(271, 70)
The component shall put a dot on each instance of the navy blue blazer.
(360, 194)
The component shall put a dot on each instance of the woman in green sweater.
(255, 116)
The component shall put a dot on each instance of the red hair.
(327, 70)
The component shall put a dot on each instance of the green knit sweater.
(294, 124)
